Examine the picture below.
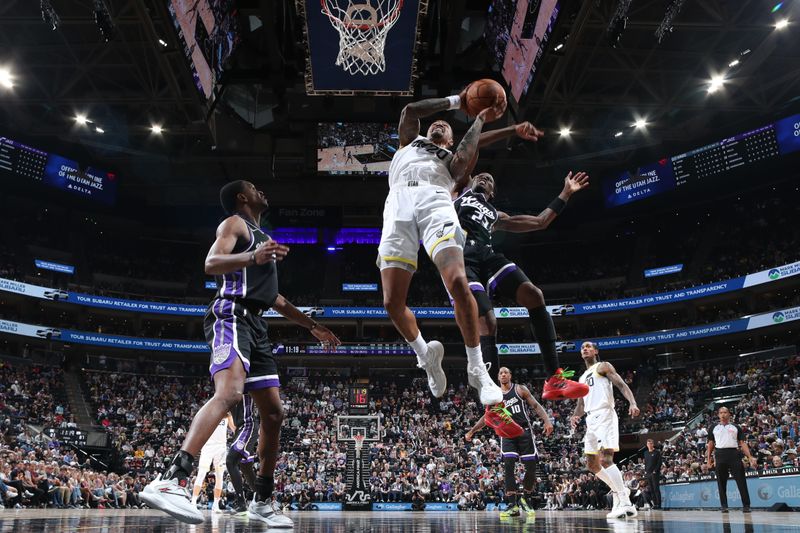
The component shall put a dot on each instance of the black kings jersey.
(476, 216)
(517, 406)
(255, 285)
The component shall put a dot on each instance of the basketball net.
(359, 443)
(362, 32)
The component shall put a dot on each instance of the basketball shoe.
(269, 513)
(431, 363)
(559, 387)
(169, 496)
(499, 419)
(489, 392)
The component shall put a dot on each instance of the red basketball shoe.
(499, 419)
(559, 387)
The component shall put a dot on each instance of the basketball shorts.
(522, 448)
(232, 331)
(602, 431)
(212, 454)
(246, 437)
(490, 273)
(417, 213)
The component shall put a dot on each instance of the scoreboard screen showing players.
(25, 163)
(355, 148)
(739, 151)
(517, 32)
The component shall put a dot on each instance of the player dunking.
(213, 450)
(602, 426)
(519, 401)
(490, 272)
(419, 208)
(244, 259)
(240, 458)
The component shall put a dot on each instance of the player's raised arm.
(409, 117)
(526, 223)
(607, 369)
(523, 130)
(526, 395)
(479, 425)
(463, 158)
(220, 260)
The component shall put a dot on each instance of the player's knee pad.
(509, 466)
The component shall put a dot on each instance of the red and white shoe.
(168, 496)
(559, 387)
(499, 419)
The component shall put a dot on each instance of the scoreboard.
(72, 436)
(743, 150)
(359, 399)
(25, 163)
(344, 349)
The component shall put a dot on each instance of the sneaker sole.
(255, 516)
(156, 502)
(438, 371)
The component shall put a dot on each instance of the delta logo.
(504, 348)
(774, 274)
(778, 317)
(504, 312)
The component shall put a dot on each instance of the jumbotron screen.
(208, 31)
(517, 32)
(355, 148)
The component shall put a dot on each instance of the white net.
(363, 26)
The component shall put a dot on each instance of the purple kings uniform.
(233, 323)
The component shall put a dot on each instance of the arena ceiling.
(134, 81)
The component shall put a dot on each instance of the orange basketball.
(482, 94)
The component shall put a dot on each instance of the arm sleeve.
(740, 434)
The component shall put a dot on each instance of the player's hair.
(228, 193)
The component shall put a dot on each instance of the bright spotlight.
(618, 134)
(781, 24)
(98, 129)
(81, 119)
(565, 132)
(716, 83)
(157, 129)
(6, 80)
(640, 123)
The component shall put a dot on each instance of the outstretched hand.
(494, 111)
(529, 132)
(575, 183)
(326, 337)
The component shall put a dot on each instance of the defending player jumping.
(419, 208)
(602, 426)
(490, 272)
(518, 401)
(244, 259)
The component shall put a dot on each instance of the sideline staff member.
(724, 441)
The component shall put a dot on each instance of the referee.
(724, 440)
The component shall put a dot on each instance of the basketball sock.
(474, 356)
(419, 346)
(545, 333)
(489, 350)
(603, 476)
(265, 485)
(618, 486)
(180, 467)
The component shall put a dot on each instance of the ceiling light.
(157, 129)
(733, 63)
(162, 42)
(558, 47)
(781, 24)
(98, 129)
(564, 132)
(777, 6)
(81, 119)
(6, 78)
(618, 134)
(640, 123)
(716, 83)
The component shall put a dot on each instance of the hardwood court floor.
(131, 521)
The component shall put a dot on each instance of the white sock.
(419, 346)
(602, 475)
(474, 356)
(618, 486)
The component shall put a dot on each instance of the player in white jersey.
(419, 208)
(214, 450)
(602, 425)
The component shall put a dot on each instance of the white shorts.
(413, 214)
(602, 432)
(215, 454)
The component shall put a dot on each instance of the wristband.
(557, 205)
(455, 101)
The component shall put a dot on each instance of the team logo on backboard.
(221, 353)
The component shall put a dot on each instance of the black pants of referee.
(729, 462)
(655, 489)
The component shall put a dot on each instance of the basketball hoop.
(362, 32)
(359, 443)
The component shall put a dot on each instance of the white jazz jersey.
(218, 439)
(602, 424)
(214, 450)
(421, 162)
(601, 390)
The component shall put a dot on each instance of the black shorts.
(522, 448)
(490, 273)
(232, 331)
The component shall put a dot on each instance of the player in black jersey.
(490, 272)
(241, 454)
(519, 402)
(244, 259)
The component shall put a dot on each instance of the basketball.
(482, 94)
